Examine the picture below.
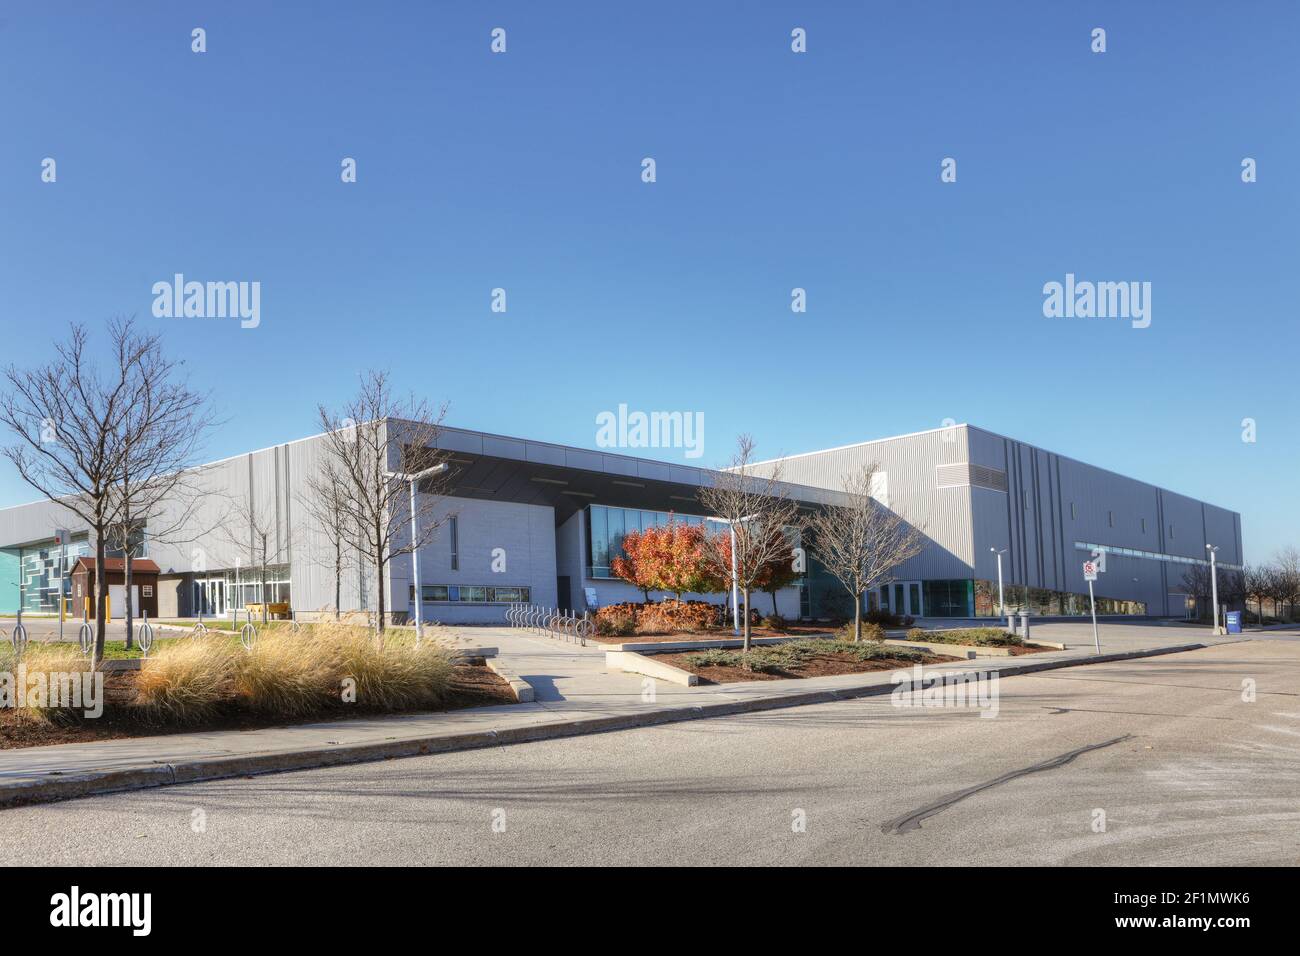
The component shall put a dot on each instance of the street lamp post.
(1002, 607)
(735, 585)
(1214, 585)
(413, 480)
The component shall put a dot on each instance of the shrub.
(917, 634)
(776, 622)
(287, 674)
(989, 636)
(714, 657)
(882, 616)
(617, 620)
(43, 659)
(187, 681)
(871, 631)
(396, 675)
(669, 617)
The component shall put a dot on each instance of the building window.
(1110, 519)
(607, 526)
(1027, 504)
(1171, 532)
(948, 598)
(1144, 525)
(453, 535)
(1072, 512)
(146, 590)
(472, 594)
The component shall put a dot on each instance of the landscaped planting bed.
(797, 659)
(715, 634)
(326, 672)
(976, 637)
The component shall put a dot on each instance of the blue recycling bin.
(1234, 622)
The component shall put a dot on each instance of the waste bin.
(1024, 625)
(1234, 621)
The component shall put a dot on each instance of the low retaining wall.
(630, 662)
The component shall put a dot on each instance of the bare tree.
(1287, 563)
(372, 442)
(1257, 584)
(326, 503)
(752, 505)
(69, 418)
(861, 543)
(252, 532)
(162, 430)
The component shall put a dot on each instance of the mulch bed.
(819, 665)
(473, 685)
(721, 634)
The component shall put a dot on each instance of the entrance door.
(210, 597)
(903, 597)
(563, 596)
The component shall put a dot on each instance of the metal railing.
(551, 622)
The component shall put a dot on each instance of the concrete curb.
(727, 643)
(522, 690)
(66, 786)
(630, 662)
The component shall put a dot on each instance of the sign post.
(1090, 575)
(61, 539)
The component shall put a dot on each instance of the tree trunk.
(101, 594)
(857, 617)
(775, 612)
(126, 578)
(338, 578)
(380, 603)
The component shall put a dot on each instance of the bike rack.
(86, 638)
(549, 621)
(145, 635)
(248, 635)
(19, 639)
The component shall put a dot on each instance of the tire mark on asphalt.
(1056, 711)
(912, 819)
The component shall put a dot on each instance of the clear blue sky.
(775, 170)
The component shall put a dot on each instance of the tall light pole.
(415, 539)
(1214, 585)
(735, 585)
(1002, 608)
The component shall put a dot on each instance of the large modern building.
(557, 516)
(973, 494)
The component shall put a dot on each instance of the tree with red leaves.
(667, 558)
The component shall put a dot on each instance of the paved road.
(1184, 769)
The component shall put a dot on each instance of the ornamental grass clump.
(46, 666)
(187, 681)
(394, 675)
(287, 673)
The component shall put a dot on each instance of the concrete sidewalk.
(575, 695)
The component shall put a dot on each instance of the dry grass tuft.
(286, 674)
(187, 681)
(393, 676)
(42, 659)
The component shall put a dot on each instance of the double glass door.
(902, 597)
(210, 597)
